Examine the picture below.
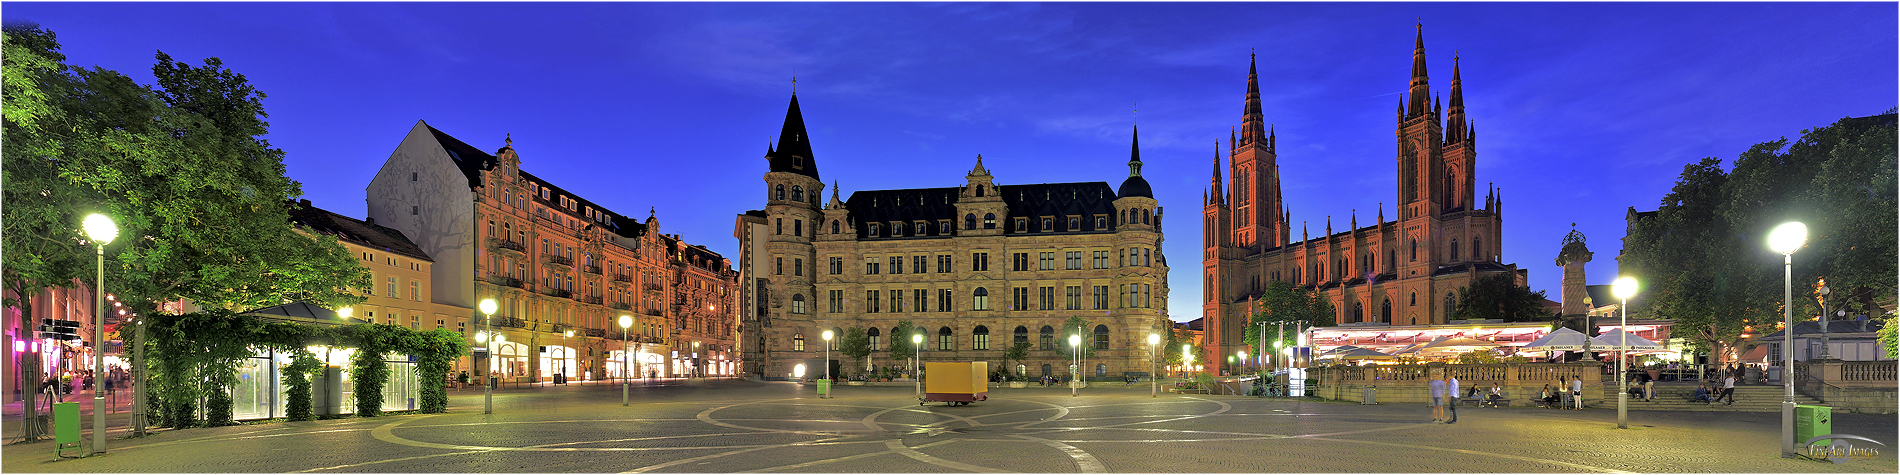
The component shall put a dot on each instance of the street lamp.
(1243, 359)
(827, 336)
(917, 353)
(345, 313)
(1154, 353)
(1187, 357)
(101, 231)
(626, 322)
(487, 307)
(1075, 344)
(1823, 298)
(1623, 288)
(1786, 239)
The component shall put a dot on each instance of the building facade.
(1401, 272)
(976, 268)
(561, 268)
(401, 274)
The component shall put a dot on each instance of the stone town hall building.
(976, 268)
(1402, 272)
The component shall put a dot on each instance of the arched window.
(969, 221)
(1101, 369)
(779, 192)
(1414, 249)
(980, 338)
(798, 193)
(872, 334)
(1414, 299)
(1101, 337)
(1385, 311)
(1358, 313)
(980, 299)
(1047, 370)
(798, 342)
(798, 303)
(834, 226)
(1477, 248)
(1022, 335)
(1454, 249)
(1391, 260)
(989, 220)
(946, 339)
(1048, 340)
(1145, 215)
(979, 190)
(1450, 303)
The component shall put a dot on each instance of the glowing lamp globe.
(487, 306)
(100, 229)
(1624, 288)
(1788, 237)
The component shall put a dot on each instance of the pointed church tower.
(793, 220)
(1256, 203)
(1460, 157)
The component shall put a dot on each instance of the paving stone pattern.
(730, 426)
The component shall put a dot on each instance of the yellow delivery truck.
(957, 384)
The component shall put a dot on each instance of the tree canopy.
(1703, 260)
(1498, 296)
(1283, 301)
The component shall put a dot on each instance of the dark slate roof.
(934, 204)
(350, 230)
(472, 161)
(794, 145)
(303, 312)
(615, 223)
(1135, 186)
(1479, 266)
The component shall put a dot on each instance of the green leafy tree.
(1703, 260)
(1077, 326)
(1016, 353)
(1498, 296)
(1285, 302)
(856, 345)
(901, 347)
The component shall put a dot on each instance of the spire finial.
(508, 139)
(794, 81)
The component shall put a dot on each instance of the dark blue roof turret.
(794, 146)
(1135, 185)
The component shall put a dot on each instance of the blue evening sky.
(1582, 109)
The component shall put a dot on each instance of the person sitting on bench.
(1497, 393)
(1549, 396)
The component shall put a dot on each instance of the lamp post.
(827, 336)
(917, 353)
(1075, 344)
(1154, 353)
(1243, 360)
(1187, 357)
(1623, 288)
(487, 307)
(1263, 340)
(1823, 291)
(1786, 239)
(565, 354)
(625, 323)
(101, 231)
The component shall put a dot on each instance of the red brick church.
(1401, 272)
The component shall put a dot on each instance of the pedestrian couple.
(1444, 391)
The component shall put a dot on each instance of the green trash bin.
(824, 388)
(65, 428)
(1811, 422)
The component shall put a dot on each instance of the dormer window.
(873, 232)
(1048, 225)
(921, 228)
(1101, 223)
(1075, 223)
(943, 227)
(1022, 225)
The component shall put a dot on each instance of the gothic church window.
(1450, 303)
(1454, 249)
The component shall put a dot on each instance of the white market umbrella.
(1564, 339)
(1613, 341)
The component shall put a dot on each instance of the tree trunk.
(29, 371)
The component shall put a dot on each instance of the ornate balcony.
(591, 300)
(591, 269)
(509, 322)
(511, 245)
(504, 281)
(594, 332)
(654, 287)
(562, 260)
(561, 293)
(622, 306)
(623, 278)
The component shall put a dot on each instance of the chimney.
(371, 220)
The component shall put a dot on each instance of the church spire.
(1456, 127)
(1252, 124)
(1420, 88)
(1216, 198)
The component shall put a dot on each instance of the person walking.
(1438, 399)
(1649, 388)
(1728, 389)
(1451, 388)
(1576, 392)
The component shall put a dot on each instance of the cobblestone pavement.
(740, 426)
